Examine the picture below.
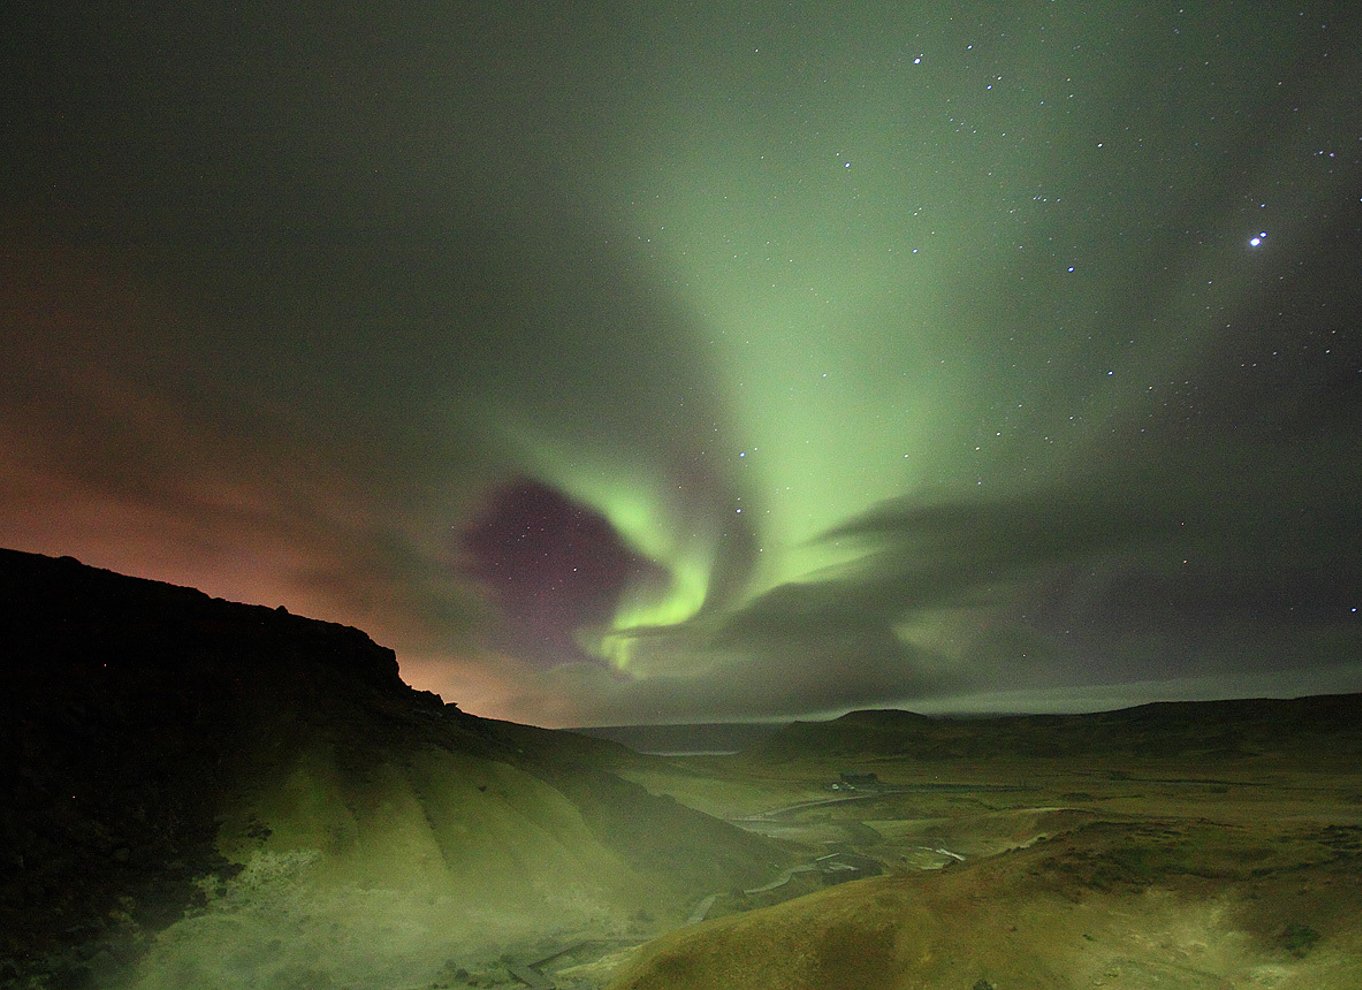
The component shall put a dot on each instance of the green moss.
(1299, 939)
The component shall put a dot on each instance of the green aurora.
(925, 355)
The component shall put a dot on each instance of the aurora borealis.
(650, 362)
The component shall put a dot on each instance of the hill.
(1105, 905)
(1193, 846)
(1208, 730)
(696, 738)
(205, 793)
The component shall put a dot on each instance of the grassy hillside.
(1180, 846)
(212, 794)
(1162, 906)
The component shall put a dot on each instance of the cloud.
(285, 334)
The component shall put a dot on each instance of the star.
(1257, 239)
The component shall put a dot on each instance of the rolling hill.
(204, 793)
(1209, 730)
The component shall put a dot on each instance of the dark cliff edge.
(59, 614)
(138, 719)
(126, 709)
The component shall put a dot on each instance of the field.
(1193, 872)
(208, 794)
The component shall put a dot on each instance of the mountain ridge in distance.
(684, 738)
(1212, 729)
(1193, 846)
(1171, 727)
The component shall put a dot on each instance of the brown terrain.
(206, 794)
(1192, 845)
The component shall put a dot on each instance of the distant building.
(853, 781)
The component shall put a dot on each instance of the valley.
(1037, 872)
(1022, 870)
(1238, 871)
(217, 795)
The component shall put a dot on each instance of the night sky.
(629, 362)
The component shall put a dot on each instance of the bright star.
(1258, 239)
